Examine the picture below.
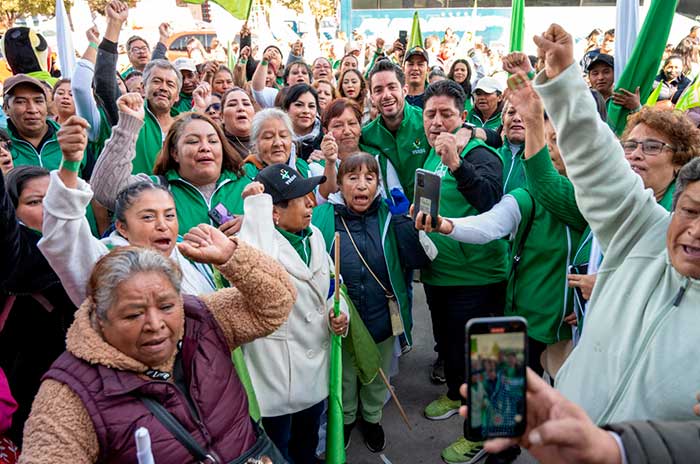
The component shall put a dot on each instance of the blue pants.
(296, 435)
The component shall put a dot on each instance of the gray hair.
(120, 265)
(161, 64)
(688, 174)
(265, 115)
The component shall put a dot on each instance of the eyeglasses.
(213, 107)
(5, 145)
(649, 147)
(138, 49)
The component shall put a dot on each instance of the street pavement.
(412, 385)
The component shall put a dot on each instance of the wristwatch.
(471, 127)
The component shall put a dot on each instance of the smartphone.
(496, 358)
(426, 195)
(220, 215)
(403, 38)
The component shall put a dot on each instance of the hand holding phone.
(426, 195)
(496, 360)
(220, 215)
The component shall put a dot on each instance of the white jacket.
(72, 250)
(289, 369)
(637, 358)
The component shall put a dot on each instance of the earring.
(277, 221)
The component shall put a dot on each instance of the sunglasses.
(213, 107)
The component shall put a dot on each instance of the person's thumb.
(560, 433)
(637, 91)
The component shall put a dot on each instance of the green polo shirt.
(407, 149)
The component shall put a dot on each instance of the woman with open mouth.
(199, 167)
(238, 111)
(145, 215)
(373, 270)
(64, 106)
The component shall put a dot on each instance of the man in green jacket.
(163, 83)
(463, 281)
(488, 103)
(397, 133)
(512, 149)
(190, 81)
(32, 133)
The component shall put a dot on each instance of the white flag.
(66, 52)
(626, 29)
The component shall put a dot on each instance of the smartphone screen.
(496, 358)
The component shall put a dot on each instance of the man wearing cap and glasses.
(32, 133)
(415, 67)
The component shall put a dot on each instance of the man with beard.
(488, 103)
(163, 83)
(415, 67)
(397, 132)
(190, 81)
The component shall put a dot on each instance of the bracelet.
(93, 45)
(72, 166)
(264, 62)
(531, 74)
(242, 61)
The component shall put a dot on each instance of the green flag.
(238, 8)
(416, 36)
(690, 98)
(335, 442)
(517, 26)
(653, 97)
(643, 65)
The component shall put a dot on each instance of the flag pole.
(335, 442)
(395, 398)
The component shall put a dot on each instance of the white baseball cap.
(185, 64)
(489, 85)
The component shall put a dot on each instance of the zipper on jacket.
(206, 202)
(38, 155)
(646, 343)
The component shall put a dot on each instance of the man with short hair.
(162, 82)
(32, 134)
(190, 81)
(488, 103)
(139, 53)
(601, 74)
(463, 281)
(415, 68)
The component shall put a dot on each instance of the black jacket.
(647, 442)
(36, 309)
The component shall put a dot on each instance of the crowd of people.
(169, 236)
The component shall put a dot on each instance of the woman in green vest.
(372, 265)
(197, 164)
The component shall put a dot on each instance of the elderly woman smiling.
(138, 345)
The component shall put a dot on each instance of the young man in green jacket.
(463, 281)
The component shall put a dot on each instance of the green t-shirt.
(461, 263)
(407, 149)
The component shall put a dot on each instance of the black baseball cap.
(416, 51)
(601, 58)
(283, 182)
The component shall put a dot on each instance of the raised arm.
(112, 171)
(81, 85)
(262, 295)
(160, 50)
(107, 55)
(610, 196)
